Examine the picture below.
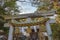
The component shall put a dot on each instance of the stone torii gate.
(29, 16)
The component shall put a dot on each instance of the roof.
(32, 15)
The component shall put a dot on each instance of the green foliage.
(47, 6)
(5, 29)
(2, 21)
(56, 31)
(58, 11)
(2, 11)
(12, 6)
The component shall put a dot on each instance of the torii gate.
(29, 16)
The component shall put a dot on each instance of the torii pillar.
(48, 28)
(10, 35)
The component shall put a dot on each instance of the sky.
(26, 7)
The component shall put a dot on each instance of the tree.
(55, 27)
(46, 6)
(8, 8)
(56, 30)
